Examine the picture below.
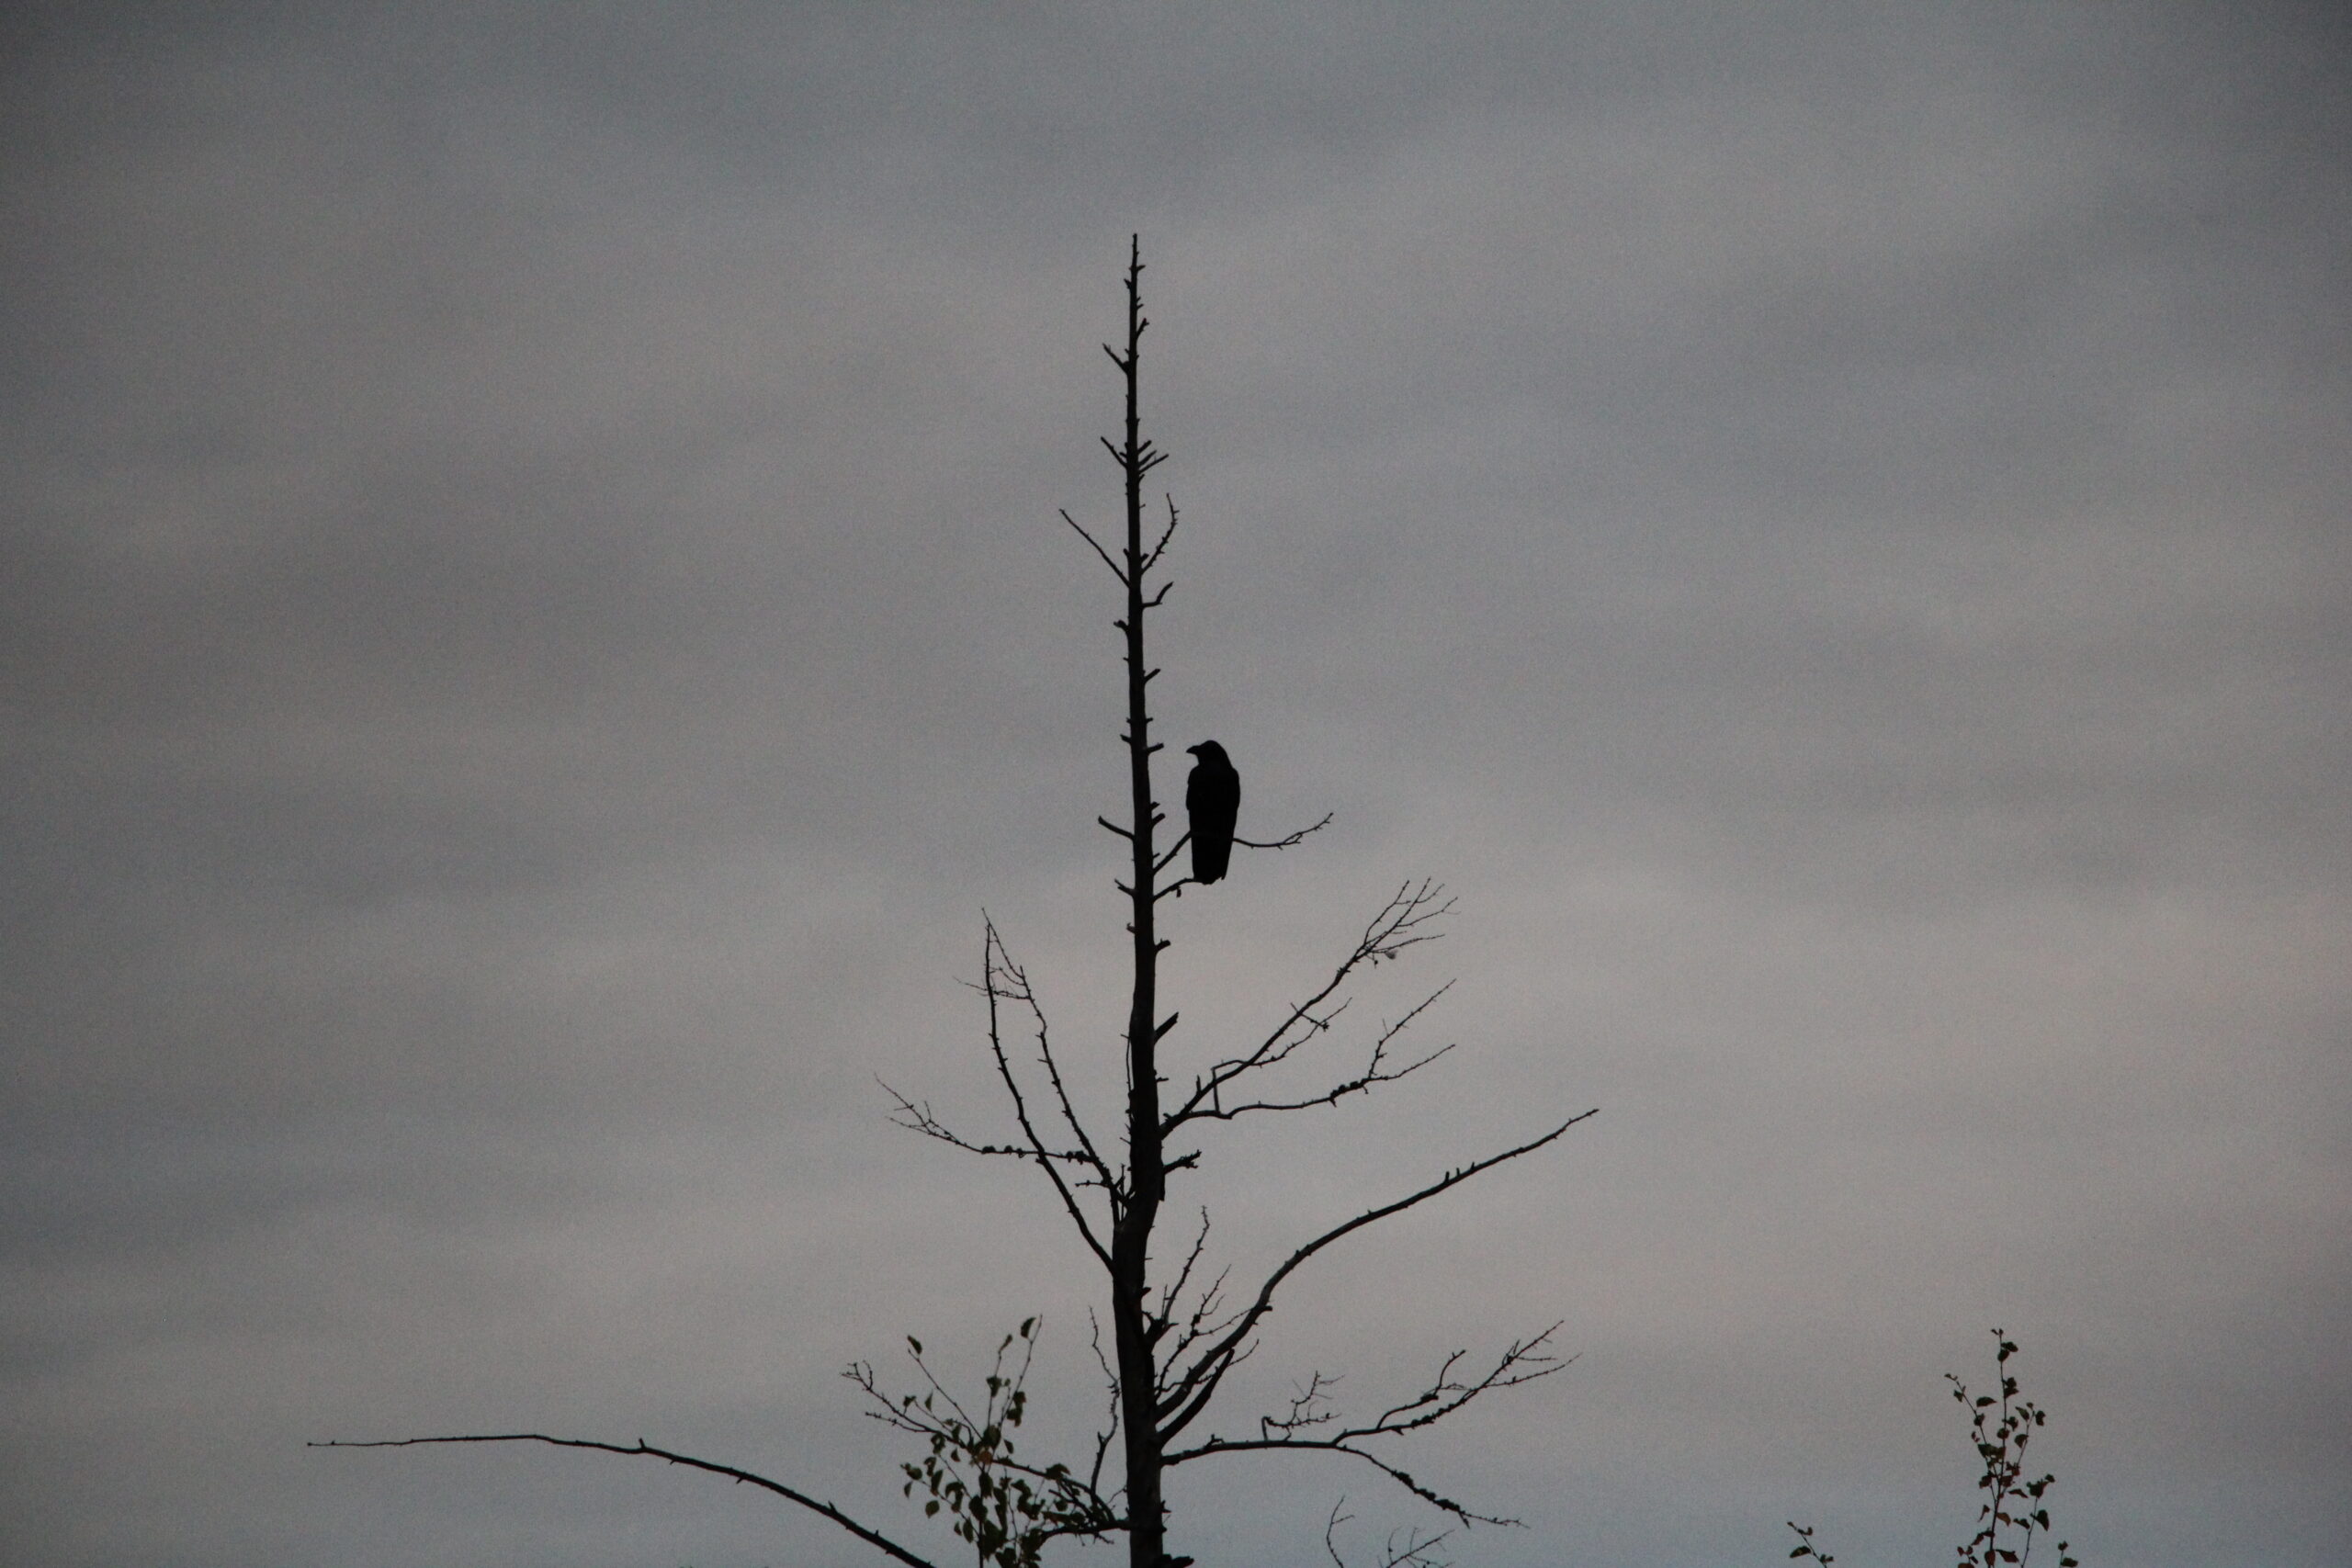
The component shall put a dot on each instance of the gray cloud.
(534, 621)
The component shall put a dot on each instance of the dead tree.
(1174, 1340)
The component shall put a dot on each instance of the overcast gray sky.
(534, 624)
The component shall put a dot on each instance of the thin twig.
(1414, 1553)
(1151, 558)
(1290, 841)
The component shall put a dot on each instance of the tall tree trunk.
(1131, 1237)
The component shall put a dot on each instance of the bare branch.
(1009, 970)
(916, 1117)
(1522, 1361)
(1415, 1551)
(1098, 547)
(871, 1537)
(1151, 559)
(1161, 1319)
(1401, 1477)
(1054, 1076)
(1304, 1410)
(1192, 1391)
(1163, 863)
(1289, 841)
(1004, 980)
(1176, 888)
(1204, 1323)
(1375, 1072)
(1398, 926)
(1109, 1431)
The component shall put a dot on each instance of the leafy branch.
(2001, 1428)
(1006, 1507)
(2014, 1511)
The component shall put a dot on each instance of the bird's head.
(1207, 752)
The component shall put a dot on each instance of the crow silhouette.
(1213, 800)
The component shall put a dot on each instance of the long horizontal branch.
(1176, 889)
(871, 1537)
(916, 1116)
(1333, 1445)
(1192, 1390)
(1522, 1361)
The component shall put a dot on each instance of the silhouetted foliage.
(1006, 1508)
(2013, 1512)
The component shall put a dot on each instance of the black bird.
(1213, 800)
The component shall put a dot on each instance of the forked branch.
(1405, 1548)
(1378, 1069)
(1003, 982)
(1401, 922)
(1303, 1427)
(1189, 1393)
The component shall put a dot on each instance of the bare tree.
(1175, 1336)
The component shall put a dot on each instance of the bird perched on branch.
(1213, 800)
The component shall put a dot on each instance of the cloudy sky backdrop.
(533, 623)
